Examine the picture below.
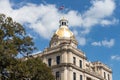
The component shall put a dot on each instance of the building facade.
(68, 62)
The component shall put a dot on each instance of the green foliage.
(13, 41)
(32, 69)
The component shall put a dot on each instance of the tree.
(14, 41)
(32, 69)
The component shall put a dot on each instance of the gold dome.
(64, 32)
(63, 35)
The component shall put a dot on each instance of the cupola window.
(64, 23)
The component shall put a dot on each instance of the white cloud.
(36, 52)
(115, 57)
(96, 43)
(81, 41)
(100, 9)
(105, 43)
(43, 19)
(108, 43)
(74, 17)
(108, 22)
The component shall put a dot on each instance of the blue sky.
(95, 23)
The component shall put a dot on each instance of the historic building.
(68, 62)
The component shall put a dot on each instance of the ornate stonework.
(68, 62)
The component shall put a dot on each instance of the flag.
(61, 8)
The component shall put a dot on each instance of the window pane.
(57, 75)
(49, 61)
(108, 77)
(74, 60)
(104, 75)
(80, 63)
(63, 23)
(58, 59)
(80, 77)
(74, 76)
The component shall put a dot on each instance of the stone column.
(64, 57)
(64, 74)
(70, 57)
(84, 76)
(70, 73)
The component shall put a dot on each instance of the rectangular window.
(108, 77)
(74, 76)
(58, 59)
(80, 77)
(49, 61)
(57, 75)
(104, 75)
(74, 60)
(80, 63)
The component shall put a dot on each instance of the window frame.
(49, 62)
(104, 75)
(74, 76)
(57, 60)
(80, 63)
(57, 75)
(74, 60)
(81, 77)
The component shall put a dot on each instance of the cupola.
(63, 35)
(63, 31)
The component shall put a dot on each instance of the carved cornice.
(103, 66)
(64, 47)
